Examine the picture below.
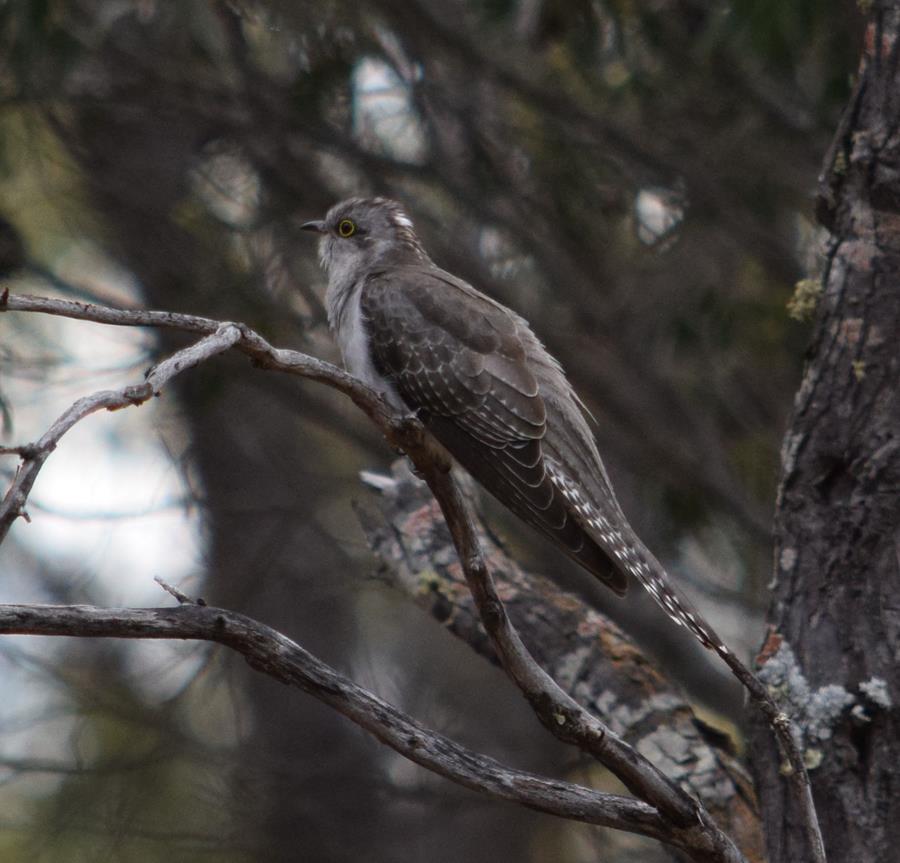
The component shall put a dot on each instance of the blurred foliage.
(634, 177)
(139, 769)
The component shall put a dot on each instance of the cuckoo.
(483, 384)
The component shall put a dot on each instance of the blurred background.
(635, 178)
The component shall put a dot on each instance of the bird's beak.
(318, 227)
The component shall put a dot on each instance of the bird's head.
(360, 234)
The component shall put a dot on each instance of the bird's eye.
(346, 228)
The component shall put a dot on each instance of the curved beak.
(318, 227)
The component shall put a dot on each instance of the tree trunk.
(835, 616)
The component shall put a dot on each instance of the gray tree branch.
(35, 454)
(274, 654)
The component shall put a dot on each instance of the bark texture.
(833, 648)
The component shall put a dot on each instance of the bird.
(476, 375)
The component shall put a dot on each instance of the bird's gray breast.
(353, 340)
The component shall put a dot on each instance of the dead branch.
(272, 653)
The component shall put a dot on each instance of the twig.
(182, 598)
(782, 726)
(34, 455)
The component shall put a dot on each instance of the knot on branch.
(137, 394)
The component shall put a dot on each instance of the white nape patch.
(402, 220)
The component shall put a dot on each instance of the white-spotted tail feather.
(619, 541)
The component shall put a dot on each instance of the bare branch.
(34, 455)
(250, 343)
(274, 654)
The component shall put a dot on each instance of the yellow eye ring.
(346, 228)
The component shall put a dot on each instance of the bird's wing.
(460, 359)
